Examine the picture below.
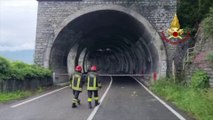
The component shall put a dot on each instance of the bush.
(4, 68)
(4, 65)
(200, 79)
(21, 71)
(21, 76)
(31, 71)
(208, 24)
(191, 12)
(17, 70)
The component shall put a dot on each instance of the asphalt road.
(125, 100)
(128, 100)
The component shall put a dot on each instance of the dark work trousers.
(91, 93)
(76, 94)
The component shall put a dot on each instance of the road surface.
(125, 99)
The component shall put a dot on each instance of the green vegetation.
(8, 96)
(195, 98)
(21, 71)
(208, 24)
(190, 98)
(4, 68)
(19, 76)
(200, 80)
(210, 57)
(192, 12)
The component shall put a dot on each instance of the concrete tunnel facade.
(120, 37)
(116, 39)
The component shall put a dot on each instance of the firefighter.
(76, 83)
(93, 83)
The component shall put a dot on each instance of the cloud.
(23, 46)
(17, 24)
(18, 3)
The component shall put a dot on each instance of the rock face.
(203, 46)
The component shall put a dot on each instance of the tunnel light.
(108, 49)
(104, 50)
(100, 50)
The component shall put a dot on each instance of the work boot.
(74, 105)
(90, 105)
(79, 102)
(96, 103)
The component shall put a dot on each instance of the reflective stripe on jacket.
(76, 82)
(92, 83)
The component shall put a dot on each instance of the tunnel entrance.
(118, 41)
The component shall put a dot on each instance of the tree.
(208, 23)
(191, 12)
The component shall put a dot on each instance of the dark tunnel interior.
(114, 41)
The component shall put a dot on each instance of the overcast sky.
(17, 24)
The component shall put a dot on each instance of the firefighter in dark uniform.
(93, 83)
(76, 83)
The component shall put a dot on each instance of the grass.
(9, 96)
(196, 102)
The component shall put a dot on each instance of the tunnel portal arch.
(117, 39)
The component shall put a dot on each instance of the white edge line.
(27, 101)
(101, 100)
(162, 102)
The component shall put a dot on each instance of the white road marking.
(22, 103)
(162, 102)
(101, 100)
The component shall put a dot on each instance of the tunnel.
(114, 41)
